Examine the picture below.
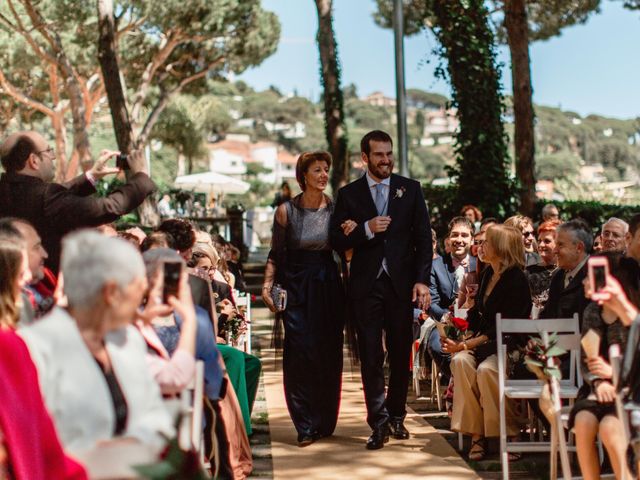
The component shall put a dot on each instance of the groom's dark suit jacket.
(406, 244)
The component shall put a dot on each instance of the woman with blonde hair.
(503, 290)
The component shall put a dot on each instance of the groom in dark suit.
(387, 226)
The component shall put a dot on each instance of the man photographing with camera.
(27, 191)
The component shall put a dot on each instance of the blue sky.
(591, 68)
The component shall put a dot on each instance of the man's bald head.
(28, 153)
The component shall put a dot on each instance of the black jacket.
(56, 209)
(510, 297)
(406, 244)
(565, 302)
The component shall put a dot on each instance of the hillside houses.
(235, 155)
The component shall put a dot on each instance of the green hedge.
(442, 202)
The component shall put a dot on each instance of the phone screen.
(172, 272)
(599, 278)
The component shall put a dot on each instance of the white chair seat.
(534, 391)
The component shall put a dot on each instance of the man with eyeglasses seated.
(27, 191)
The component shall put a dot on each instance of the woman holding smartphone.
(301, 261)
(594, 412)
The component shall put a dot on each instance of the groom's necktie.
(381, 203)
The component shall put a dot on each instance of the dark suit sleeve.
(70, 211)
(80, 186)
(422, 233)
(339, 241)
(435, 309)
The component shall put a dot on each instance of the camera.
(122, 161)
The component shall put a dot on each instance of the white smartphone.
(598, 271)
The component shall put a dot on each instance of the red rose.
(460, 323)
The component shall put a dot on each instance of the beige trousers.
(476, 407)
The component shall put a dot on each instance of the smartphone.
(598, 271)
(171, 280)
(122, 161)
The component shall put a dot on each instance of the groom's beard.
(381, 171)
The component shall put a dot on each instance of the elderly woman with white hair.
(91, 361)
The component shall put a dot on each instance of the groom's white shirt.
(385, 192)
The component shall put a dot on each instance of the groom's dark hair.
(376, 136)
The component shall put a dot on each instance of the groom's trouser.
(384, 310)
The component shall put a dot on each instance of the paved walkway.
(425, 455)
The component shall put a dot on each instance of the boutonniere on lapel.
(399, 192)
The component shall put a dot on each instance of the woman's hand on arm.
(605, 392)
(451, 346)
(599, 367)
(348, 226)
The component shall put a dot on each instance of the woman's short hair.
(90, 259)
(518, 221)
(304, 162)
(11, 258)
(507, 245)
(477, 214)
(548, 226)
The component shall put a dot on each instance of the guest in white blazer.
(91, 360)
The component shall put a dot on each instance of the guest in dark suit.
(390, 269)
(474, 365)
(447, 273)
(27, 191)
(566, 292)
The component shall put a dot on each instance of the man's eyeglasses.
(49, 150)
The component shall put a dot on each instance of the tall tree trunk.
(108, 59)
(335, 127)
(518, 38)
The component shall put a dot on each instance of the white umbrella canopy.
(212, 182)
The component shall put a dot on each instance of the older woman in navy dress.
(301, 260)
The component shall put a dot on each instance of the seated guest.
(566, 295)
(447, 274)
(174, 330)
(173, 372)
(473, 214)
(434, 243)
(474, 363)
(91, 361)
(539, 275)
(632, 238)
(181, 236)
(244, 369)
(597, 244)
(550, 213)
(469, 287)
(525, 225)
(43, 282)
(594, 412)
(488, 222)
(205, 259)
(613, 235)
(156, 240)
(29, 445)
(14, 265)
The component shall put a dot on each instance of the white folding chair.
(192, 399)
(568, 330)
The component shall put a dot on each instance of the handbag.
(279, 297)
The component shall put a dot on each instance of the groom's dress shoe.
(378, 438)
(398, 430)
